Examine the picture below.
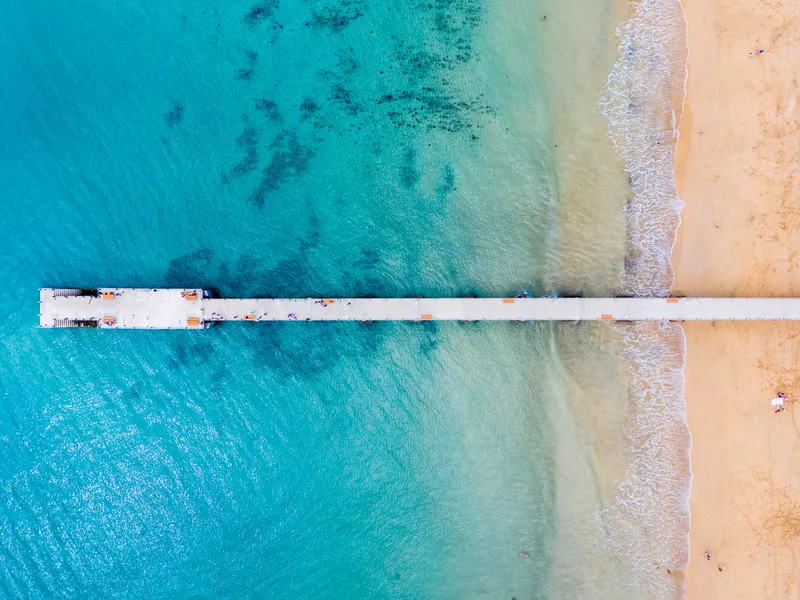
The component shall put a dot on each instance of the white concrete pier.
(128, 308)
(121, 308)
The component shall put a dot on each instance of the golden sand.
(737, 170)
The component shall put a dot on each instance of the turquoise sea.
(337, 148)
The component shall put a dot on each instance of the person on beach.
(708, 556)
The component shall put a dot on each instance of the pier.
(136, 308)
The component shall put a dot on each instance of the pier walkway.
(129, 308)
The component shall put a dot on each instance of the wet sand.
(737, 170)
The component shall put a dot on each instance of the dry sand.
(741, 236)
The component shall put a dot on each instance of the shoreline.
(736, 172)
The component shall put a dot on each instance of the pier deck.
(127, 308)
(121, 308)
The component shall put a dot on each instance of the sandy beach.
(737, 170)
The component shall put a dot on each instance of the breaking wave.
(647, 526)
(642, 103)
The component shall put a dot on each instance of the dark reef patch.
(247, 142)
(371, 286)
(341, 95)
(288, 279)
(246, 74)
(367, 278)
(409, 173)
(456, 21)
(175, 116)
(269, 109)
(343, 98)
(133, 392)
(247, 277)
(418, 64)
(240, 278)
(261, 12)
(335, 16)
(312, 114)
(428, 339)
(190, 270)
(429, 100)
(218, 378)
(433, 109)
(294, 350)
(196, 354)
(368, 261)
(347, 65)
(289, 159)
(313, 237)
(370, 281)
(447, 182)
(308, 107)
(291, 350)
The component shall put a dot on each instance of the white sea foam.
(647, 526)
(641, 104)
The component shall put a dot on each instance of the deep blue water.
(282, 148)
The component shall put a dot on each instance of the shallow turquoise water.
(363, 147)
(242, 469)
